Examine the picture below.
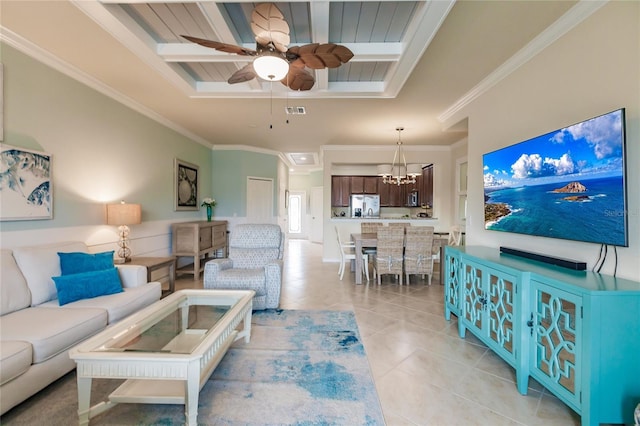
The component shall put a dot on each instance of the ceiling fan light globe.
(271, 67)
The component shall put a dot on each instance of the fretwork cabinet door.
(501, 302)
(556, 331)
(488, 306)
(473, 298)
(452, 283)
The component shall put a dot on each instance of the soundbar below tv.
(552, 260)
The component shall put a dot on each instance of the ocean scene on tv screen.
(566, 184)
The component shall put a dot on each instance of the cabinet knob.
(530, 324)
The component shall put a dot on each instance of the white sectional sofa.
(36, 333)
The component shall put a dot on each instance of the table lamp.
(122, 215)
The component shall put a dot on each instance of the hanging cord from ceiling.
(271, 102)
(287, 98)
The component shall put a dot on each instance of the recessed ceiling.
(387, 39)
(416, 64)
(302, 158)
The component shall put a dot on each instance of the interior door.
(260, 200)
(315, 217)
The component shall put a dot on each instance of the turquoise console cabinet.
(577, 333)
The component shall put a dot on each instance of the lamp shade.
(123, 214)
(271, 66)
(398, 171)
(414, 170)
(384, 169)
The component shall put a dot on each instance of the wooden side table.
(154, 263)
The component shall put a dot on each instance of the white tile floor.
(424, 373)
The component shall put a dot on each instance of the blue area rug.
(300, 368)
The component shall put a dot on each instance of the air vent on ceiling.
(296, 110)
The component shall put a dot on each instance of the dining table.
(371, 240)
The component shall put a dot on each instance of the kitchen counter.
(384, 219)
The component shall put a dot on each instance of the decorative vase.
(209, 212)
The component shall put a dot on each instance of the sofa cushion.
(86, 285)
(119, 305)
(243, 279)
(14, 292)
(38, 264)
(15, 359)
(52, 330)
(78, 262)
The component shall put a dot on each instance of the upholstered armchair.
(254, 263)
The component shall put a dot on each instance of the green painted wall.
(316, 178)
(230, 170)
(102, 151)
(305, 182)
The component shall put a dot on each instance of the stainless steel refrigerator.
(365, 205)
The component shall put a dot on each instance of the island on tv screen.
(567, 184)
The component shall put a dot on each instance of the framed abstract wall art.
(185, 186)
(26, 187)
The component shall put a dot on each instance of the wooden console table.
(200, 241)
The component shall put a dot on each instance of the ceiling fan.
(274, 60)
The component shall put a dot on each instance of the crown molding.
(460, 143)
(574, 16)
(30, 49)
(245, 148)
(389, 148)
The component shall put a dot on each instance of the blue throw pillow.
(76, 262)
(86, 285)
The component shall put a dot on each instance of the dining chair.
(389, 258)
(348, 253)
(370, 228)
(418, 257)
(455, 236)
(403, 225)
(454, 239)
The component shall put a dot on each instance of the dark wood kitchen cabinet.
(397, 195)
(357, 184)
(364, 184)
(340, 191)
(426, 188)
(383, 191)
(370, 184)
(391, 195)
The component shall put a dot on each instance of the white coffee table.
(166, 351)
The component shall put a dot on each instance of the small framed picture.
(26, 192)
(185, 185)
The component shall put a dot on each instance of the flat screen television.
(568, 184)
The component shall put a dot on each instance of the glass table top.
(176, 330)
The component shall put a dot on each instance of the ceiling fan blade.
(298, 79)
(318, 56)
(269, 26)
(223, 47)
(245, 73)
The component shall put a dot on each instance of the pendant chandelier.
(398, 173)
